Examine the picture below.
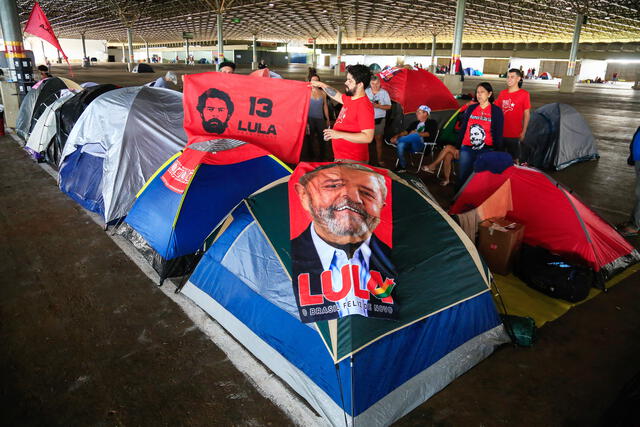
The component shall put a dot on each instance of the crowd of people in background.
(487, 123)
(484, 124)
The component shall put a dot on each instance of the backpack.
(552, 275)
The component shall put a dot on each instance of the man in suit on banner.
(340, 267)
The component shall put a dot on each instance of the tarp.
(120, 140)
(354, 370)
(68, 115)
(412, 88)
(168, 227)
(558, 136)
(553, 218)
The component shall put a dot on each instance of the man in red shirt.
(515, 104)
(354, 127)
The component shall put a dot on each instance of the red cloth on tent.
(553, 218)
(413, 88)
(177, 177)
(271, 115)
(39, 26)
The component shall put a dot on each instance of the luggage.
(553, 275)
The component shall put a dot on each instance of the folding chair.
(425, 145)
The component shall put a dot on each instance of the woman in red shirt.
(481, 129)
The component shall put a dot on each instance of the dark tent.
(67, 116)
(142, 68)
(557, 137)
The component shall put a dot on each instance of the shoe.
(427, 170)
(444, 183)
(400, 170)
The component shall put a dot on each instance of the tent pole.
(346, 423)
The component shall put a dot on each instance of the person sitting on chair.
(449, 152)
(413, 138)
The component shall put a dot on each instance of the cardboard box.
(499, 242)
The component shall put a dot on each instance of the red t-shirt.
(355, 116)
(513, 105)
(478, 134)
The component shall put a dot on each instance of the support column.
(254, 62)
(432, 67)
(146, 46)
(568, 83)
(314, 58)
(86, 61)
(451, 80)
(20, 78)
(336, 71)
(124, 55)
(130, 43)
(220, 41)
(186, 48)
(44, 54)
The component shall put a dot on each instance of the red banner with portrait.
(341, 230)
(269, 113)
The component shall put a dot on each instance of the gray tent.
(117, 144)
(557, 137)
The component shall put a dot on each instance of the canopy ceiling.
(369, 21)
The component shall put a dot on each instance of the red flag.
(39, 26)
(268, 113)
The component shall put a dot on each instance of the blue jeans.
(468, 158)
(411, 143)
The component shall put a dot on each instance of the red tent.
(263, 72)
(554, 218)
(412, 88)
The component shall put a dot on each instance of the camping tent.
(169, 226)
(45, 129)
(354, 370)
(412, 88)
(120, 140)
(546, 76)
(553, 217)
(68, 115)
(557, 137)
(265, 72)
(142, 68)
(37, 99)
(408, 90)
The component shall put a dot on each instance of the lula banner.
(341, 232)
(269, 113)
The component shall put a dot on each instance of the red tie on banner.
(269, 113)
(39, 26)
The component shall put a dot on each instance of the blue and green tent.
(169, 227)
(354, 370)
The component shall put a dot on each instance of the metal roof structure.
(370, 21)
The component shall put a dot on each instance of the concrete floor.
(88, 339)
